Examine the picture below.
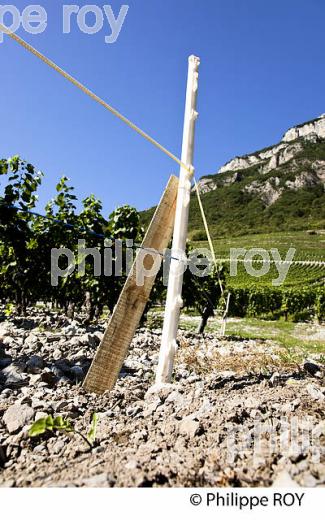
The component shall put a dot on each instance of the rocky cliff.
(315, 127)
(270, 159)
(279, 188)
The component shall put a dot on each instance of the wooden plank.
(125, 319)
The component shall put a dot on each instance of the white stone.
(17, 416)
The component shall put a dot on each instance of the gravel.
(210, 427)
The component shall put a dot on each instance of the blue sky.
(262, 70)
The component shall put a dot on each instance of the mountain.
(281, 187)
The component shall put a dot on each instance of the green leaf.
(62, 424)
(9, 310)
(30, 168)
(14, 163)
(49, 422)
(38, 427)
(3, 167)
(93, 428)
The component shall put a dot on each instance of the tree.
(18, 200)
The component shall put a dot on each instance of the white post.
(174, 293)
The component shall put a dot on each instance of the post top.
(194, 60)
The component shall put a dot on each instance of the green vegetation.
(26, 242)
(232, 211)
(271, 303)
(239, 219)
(50, 424)
(308, 339)
(309, 245)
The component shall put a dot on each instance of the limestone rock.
(284, 480)
(315, 392)
(17, 416)
(189, 427)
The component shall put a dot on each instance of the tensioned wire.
(90, 232)
(116, 113)
(91, 94)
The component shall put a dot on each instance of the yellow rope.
(134, 127)
(207, 232)
(206, 227)
(91, 94)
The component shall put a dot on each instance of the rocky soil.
(203, 430)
